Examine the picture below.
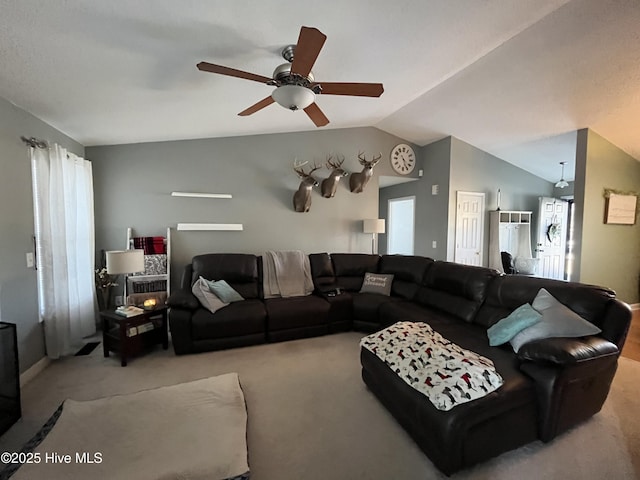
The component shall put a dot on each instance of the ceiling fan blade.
(265, 102)
(310, 42)
(231, 72)
(316, 115)
(353, 89)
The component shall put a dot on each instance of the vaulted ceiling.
(514, 78)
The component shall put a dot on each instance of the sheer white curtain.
(65, 247)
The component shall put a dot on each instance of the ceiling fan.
(296, 88)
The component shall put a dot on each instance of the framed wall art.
(621, 209)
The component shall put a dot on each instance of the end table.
(130, 335)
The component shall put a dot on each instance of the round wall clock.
(403, 160)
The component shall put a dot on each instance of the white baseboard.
(30, 373)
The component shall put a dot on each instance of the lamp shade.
(293, 97)
(125, 261)
(373, 225)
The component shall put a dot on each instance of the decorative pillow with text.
(377, 283)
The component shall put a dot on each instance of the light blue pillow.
(207, 298)
(557, 321)
(224, 291)
(522, 317)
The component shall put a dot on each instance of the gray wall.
(474, 170)
(133, 184)
(564, 192)
(18, 288)
(607, 255)
(457, 166)
(431, 210)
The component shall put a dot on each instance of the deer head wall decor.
(359, 180)
(302, 197)
(330, 184)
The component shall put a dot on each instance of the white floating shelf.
(210, 226)
(201, 195)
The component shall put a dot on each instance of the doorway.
(469, 228)
(552, 237)
(401, 213)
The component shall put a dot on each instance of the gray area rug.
(194, 430)
(311, 416)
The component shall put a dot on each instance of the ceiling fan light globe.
(562, 184)
(293, 97)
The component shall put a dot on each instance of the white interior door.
(469, 228)
(401, 213)
(552, 237)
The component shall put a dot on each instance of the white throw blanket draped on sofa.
(286, 274)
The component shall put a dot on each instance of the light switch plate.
(29, 259)
(435, 189)
(434, 244)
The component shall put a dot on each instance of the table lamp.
(373, 226)
(124, 262)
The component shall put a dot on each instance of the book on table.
(129, 311)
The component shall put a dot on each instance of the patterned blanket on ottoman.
(445, 373)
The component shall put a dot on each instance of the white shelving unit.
(155, 283)
(510, 231)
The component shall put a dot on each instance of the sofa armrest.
(571, 392)
(183, 299)
(567, 351)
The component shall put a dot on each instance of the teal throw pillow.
(225, 292)
(522, 317)
(207, 298)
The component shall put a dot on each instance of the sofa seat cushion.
(236, 319)
(340, 307)
(295, 312)
(392, 312)
(366, 305)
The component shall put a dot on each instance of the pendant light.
(562, 183)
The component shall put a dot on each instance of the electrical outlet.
(119, 300)
(434, 244)
(435, 189)
(420, 173)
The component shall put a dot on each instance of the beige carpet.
(311, 417)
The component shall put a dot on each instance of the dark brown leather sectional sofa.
(549, 386)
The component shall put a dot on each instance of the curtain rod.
(34, 142)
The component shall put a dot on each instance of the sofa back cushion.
(350, 268)
(508, 292)
(408, 272)
(324, 278)
(241, 271)
(455, 288)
